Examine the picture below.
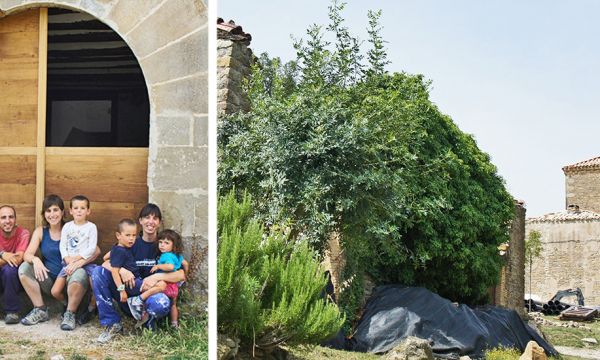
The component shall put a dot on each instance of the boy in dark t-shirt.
(121, 257)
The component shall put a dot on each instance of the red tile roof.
(229, 30)
(593, 163)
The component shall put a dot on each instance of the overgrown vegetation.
(269, 285)
(337, 145)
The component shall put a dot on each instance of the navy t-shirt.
(145, 255)
(122, 257)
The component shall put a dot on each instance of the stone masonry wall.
(234, 59)
(510, 291)
(570, 258)
(583, 189)
(170, 40)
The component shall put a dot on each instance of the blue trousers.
(157, 306)
(10, 286)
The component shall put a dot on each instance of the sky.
(522, 77)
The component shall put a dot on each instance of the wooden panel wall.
(114, 179)
(19, 42)
(19, 39)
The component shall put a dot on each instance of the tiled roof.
(593, 163)
(565, 216)
(229, 30)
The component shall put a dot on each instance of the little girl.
(171, 259)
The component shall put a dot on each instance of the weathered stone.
(174, 19)
(590, 341)
(227, 348)
(174, 130)
(201, 131)
(533, 352)
(185, 95)
(411, 348)
(98, 8)
(8, 5)
(201, 217)
(126, 14)
(180, 168)
(167, 64)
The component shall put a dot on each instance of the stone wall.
(583, 189)
(510, 292)
(234, 59)
(570, 258)
(174, 60)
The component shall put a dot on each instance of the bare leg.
(174, 312)
(58, 287)
(75, 293)
(158, 288)
(33, 290)
(92, 304)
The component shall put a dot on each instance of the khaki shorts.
(79, 276)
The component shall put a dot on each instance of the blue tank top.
(51, 253)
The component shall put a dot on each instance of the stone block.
(126, 14)
(182, 58)
(98, 8)
(188, 95)
(201, 217)
(200, 137)
(172, 21)
(174, 130)
(7, 5)
(178, 209)
(180, 168)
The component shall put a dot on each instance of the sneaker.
(110, 332)
(36, 315)
(86, 316)
(68, 322)
(12, 318)
(151, 323)
(136, 306)
(143, 320)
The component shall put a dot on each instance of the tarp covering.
(395, 312)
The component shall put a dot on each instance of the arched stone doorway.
(174, 63)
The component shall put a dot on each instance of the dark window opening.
(97, 95)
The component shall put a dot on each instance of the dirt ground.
(47, 341)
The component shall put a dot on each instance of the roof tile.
(593, 163)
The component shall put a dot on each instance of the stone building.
(571, 238)
(107, 98)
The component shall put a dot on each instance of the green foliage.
(336, 145)
(533, 245)
(502, 354)
(268, 286)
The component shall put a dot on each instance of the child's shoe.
(136, 306)
(175, 324)
(143, 320)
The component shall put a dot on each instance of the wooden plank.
(18, 151)
(18, 78)
(102, 178)
(26, 21)
(13, 193)
(41, 119)
(119, 152)
(17, 169)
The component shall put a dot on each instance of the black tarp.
(395, 312)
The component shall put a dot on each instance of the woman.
(38, 274)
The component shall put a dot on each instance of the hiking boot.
(11, 318)
(110, 332)
(136, 307)
(36, 315)
(68, 322)
(86, 316)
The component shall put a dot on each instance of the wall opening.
(96, 93)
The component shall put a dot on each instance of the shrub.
(269, 286)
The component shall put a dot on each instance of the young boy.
(78, 241)
(122, 257)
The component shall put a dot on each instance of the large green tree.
(336, 144)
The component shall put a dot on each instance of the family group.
(142, 272)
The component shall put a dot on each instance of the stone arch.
(174, 61)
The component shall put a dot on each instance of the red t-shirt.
(17, 242)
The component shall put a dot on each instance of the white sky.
(524, 79)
